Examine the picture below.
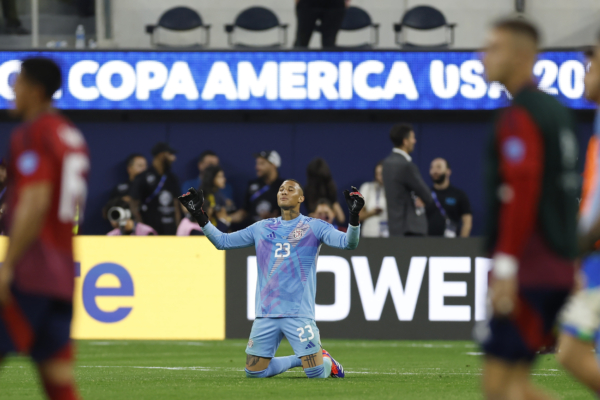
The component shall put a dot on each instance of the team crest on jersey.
(298, 233)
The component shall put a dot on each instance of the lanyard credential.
(157, 190)
(259, 192)
(438, 204)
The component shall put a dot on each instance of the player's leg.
(264, 341)
(304, 336)
(578, 357)
(57, 377)
(53, 351)
(509, 381)
(512, 343)
(580, 323)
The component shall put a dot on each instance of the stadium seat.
(179, 19)
(424, 18)
(355, 19)
(257, 19)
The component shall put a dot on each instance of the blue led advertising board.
(377, 80)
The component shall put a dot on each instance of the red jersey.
(49, 149)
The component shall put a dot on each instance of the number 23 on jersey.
(282, 250)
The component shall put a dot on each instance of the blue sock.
(320, 371)
(276, 367)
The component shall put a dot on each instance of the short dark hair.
(446, 161)
(204, 154)
(520, 26)
(132, 157)
(399, 133)
(299, 184)
(43, 72)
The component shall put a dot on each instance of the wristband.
(354, 220)
(201, 218)
(505, 266)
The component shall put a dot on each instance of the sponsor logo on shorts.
(310, 345)
(250, 343)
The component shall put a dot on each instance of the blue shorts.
(36, 325)
(532, 327)
(266, 335)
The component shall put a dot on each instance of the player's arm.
(193, 201)
(29, 215)
(348, 240)
(521, 154)
(415, 182)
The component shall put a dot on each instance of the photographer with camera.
(119, 215)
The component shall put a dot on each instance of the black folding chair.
(179, 19)
(424, 18)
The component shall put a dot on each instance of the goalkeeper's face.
(290, 195)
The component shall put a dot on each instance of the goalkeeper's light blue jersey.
(286, 253)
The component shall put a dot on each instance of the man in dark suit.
(405, 191)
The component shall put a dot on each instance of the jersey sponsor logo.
(513, 149)
(298, 233)
(165, 198)
(28, 162)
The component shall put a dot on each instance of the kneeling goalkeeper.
(286, 250)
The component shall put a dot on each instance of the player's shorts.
(531, 328)
(581, 316)
(35, 325)
(266, 335)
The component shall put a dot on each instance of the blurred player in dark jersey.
(581, 316)
(532, 194)
(47, 172)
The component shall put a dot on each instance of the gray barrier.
(397, 288)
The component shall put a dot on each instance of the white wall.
(563, 22)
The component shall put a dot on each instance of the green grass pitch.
(132, 370)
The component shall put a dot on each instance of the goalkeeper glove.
(356, 202)
(193, 201)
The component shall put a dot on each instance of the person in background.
(320, 185)
(12, 23)
(206, 159)
(119, 215)
(450, 213)
(136, 164)
(213, 181)
(329, 12)
(405, 190)
(324, 211)
(374, 215)
(3, 186)
(261, 195)
(154, 193)
(580, 318)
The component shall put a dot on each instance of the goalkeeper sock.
(320, 371)
(276, 367)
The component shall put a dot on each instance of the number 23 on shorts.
(310, 331)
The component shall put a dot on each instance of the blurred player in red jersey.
(532, 188)
(47, 172)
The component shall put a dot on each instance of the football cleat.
(337, 371)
